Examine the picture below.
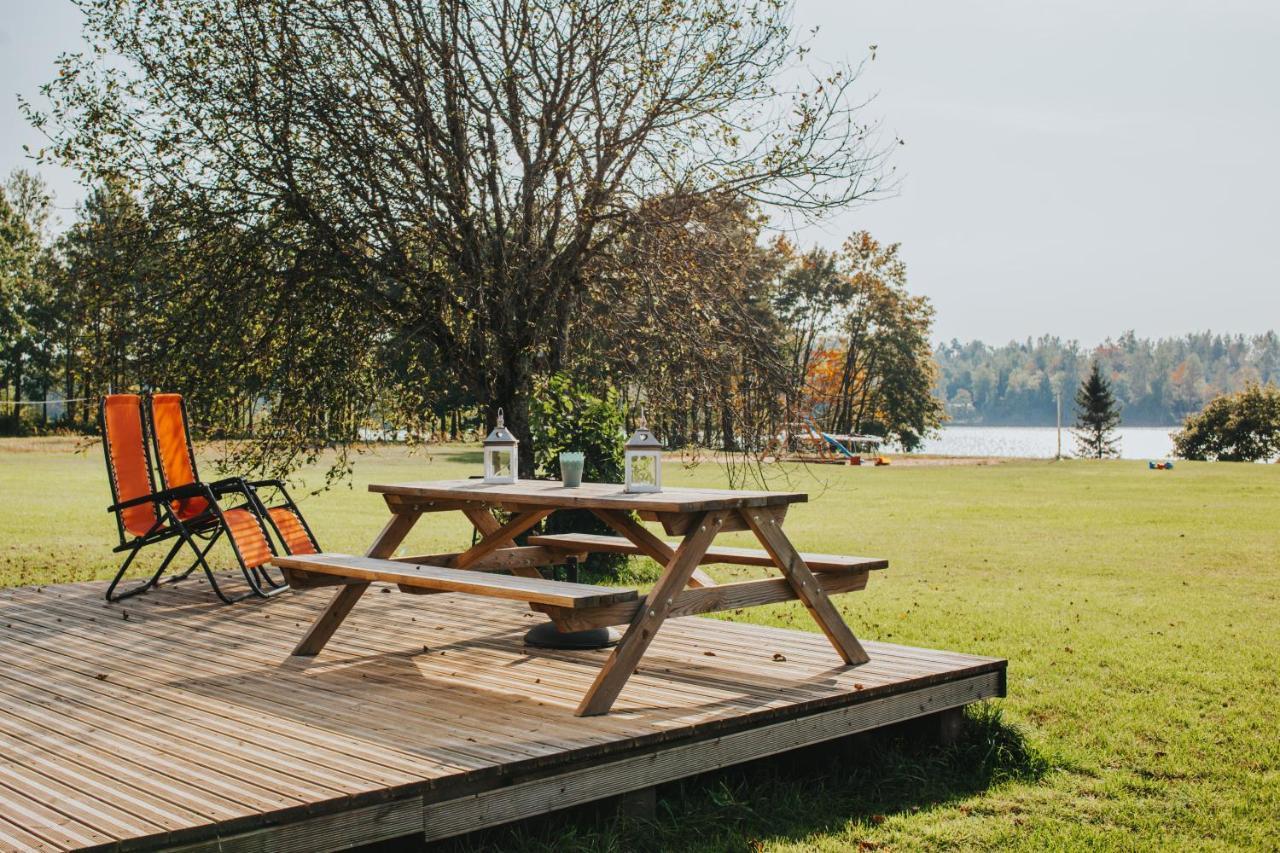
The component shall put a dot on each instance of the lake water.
(1041, 442)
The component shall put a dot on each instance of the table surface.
(550, 493)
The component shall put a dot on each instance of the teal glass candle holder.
(571, 470)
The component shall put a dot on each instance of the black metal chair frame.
(208, 525)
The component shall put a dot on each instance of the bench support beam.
(502, 559)
(496, 536)
(727, 596)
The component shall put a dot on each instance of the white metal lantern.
(643, 461)
(500, 459)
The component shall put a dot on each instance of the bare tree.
(691, 329)
(457, 166)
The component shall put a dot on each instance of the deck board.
(171, 719)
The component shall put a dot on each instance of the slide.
(838, 447)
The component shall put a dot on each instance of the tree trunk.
(17, 389)
(68, 408)
(729, 443)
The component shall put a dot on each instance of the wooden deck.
(173, 721)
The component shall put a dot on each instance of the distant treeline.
(1158, 382)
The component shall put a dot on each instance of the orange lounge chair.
(170, 430)
(182, 513)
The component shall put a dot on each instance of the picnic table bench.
(683, 589)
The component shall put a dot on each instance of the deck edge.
(438, 814)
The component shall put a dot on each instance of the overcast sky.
(1073, 168)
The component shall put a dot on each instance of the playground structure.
(804, 441)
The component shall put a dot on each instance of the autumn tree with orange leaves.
(857, 343)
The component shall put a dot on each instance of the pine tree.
(1097, 416)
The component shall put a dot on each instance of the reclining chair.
(183, 513)
(175, 454)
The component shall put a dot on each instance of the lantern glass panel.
(499, 462)
(643, 471)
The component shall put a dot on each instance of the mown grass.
(1139, 611)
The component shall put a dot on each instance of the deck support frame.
(434, 815)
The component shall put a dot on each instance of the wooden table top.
(550, 493)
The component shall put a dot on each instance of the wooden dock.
(173, 721)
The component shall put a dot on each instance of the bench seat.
(715, 554)
(441, 579)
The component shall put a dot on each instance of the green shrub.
(1241, 427)
(566, 416)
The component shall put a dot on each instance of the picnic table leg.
(653, 547)
(328, 621)
(626, 655)
(808, 590)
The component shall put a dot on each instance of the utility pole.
(1058, 398)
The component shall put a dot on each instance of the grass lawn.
(1139, 610)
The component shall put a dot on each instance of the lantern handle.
(500, 420)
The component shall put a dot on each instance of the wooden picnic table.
(697, 516)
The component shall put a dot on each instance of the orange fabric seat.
(173, 451)
(289, 525)
(245, 529)
(128, 463)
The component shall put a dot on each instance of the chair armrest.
(276, 484)
(190, 490)
(227, 482)
(258, 484)
(231, 485)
